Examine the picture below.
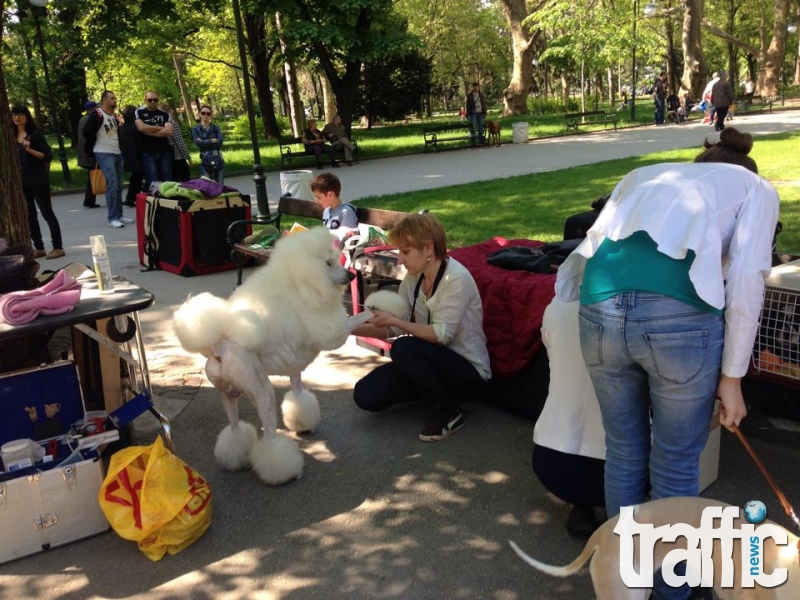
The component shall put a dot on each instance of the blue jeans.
(157, 167)
(477, 127)
(112, 166)
(219, 176)
(646, 351)
(659, 112)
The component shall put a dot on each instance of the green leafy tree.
(341, 36)
(466, 40)
(394, 86)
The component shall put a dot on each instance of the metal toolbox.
(53, 503)
(51, 508)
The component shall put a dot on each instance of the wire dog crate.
(776, 354)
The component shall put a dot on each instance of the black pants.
(420, 371)
(89, 198)
(722, 113)
(572, 478)
(318, 149)
(180, 170)
(38, 194)
(134, 187)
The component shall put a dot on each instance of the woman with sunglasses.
(34, 158)
(208, 138)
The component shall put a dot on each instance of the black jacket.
(129, 146)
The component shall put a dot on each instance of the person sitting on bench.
(340, 217)
(315, 144)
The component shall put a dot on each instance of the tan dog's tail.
(564, 571)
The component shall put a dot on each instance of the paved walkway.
(378, 514)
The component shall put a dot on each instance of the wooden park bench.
(293, 152)
(746, 104)
(592, 117)
(448, 132)
(288, 206)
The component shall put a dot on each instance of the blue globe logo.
(755, 512)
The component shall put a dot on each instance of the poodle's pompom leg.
(241, 365)
(234, 446)
(266, 407)
(300, 407)
(231, 406)
(277, 459)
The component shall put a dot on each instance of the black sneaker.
(439, 428)
(581, 522)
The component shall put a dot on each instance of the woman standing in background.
(208, 138)
(34, 158)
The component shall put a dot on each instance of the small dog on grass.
(493, 128)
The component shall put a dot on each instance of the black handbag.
(212, 163)
(544, 259)
(17, 269)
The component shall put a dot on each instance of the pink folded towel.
(58, 296)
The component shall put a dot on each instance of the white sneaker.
(116, 224)
(126, 220)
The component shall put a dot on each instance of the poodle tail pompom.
(197, 322)
(388, 301)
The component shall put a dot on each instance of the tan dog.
(493, 128)
(603, 548)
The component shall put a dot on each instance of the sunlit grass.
(536, 206)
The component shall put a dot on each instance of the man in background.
(337, 136)
(476, 111)
(722, 97)
(660, 97)
(156, 127)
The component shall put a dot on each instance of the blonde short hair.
(416, 230)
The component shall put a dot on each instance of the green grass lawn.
(536, 206)
(530, 206)
(385, 140)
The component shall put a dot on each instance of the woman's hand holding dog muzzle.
(383, 319)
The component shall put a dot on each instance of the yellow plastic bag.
(152, 497)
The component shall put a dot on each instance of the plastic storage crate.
(776, 354)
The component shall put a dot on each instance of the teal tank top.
(635, 264)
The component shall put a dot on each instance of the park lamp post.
(39, 5)
(650, 10)
(258, 171)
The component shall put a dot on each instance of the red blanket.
(513, 305)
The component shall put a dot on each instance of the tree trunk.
(672, 71)
(515, 96)
(188, 113)
(345, 87)
(297, 117)
(695, 74)
(255, 26)
(771, 57)
(13, 210)
(329, 100)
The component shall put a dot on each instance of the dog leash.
(781, 497)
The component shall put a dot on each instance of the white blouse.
(456, 313)
(724, 213)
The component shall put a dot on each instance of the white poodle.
(274, 324)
